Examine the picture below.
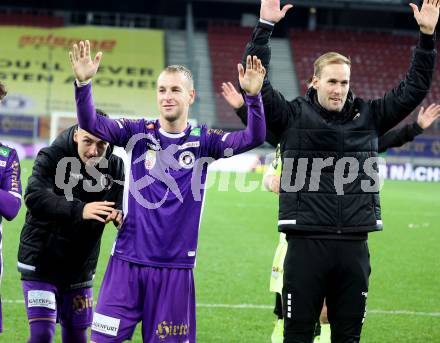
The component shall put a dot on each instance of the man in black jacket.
(271, 180)
(74, 190)
(329, 197)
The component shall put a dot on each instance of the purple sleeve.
(10, 189)
(244, 140)
(117, 132)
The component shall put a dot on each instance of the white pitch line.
(9, 301)
(269, 307)
(391, 312)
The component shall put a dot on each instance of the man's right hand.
(270, 10)
(97, 210)
(82, 65)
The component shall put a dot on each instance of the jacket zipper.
(339, 197)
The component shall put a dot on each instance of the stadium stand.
(226, 45)
(27, 19)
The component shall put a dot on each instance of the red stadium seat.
(226, 45)
(26, 19)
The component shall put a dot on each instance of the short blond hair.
(178, 68)
(329, 58)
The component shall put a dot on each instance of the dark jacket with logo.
(56, 244)
(339, 201)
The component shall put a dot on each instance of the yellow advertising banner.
(34, 65)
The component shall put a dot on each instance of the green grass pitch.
(238, 237)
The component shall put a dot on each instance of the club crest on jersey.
(3, 164)
(150, 159)
(187, 159)
(153, 143)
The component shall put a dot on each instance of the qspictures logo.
(168, 329)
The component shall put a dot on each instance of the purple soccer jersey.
(163, 192)
(10, 194)
(10, 185)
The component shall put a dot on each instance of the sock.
(70, 335)
(42, 331)
(325, 331)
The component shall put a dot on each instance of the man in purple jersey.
(150, 274)
(10, 190)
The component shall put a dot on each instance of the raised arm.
(276, 108)
(237, 142)
(236, 101)
(116, 132)
(403, 99)
(398, 137)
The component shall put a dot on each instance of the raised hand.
(231, 95)
(270, 10)
(427, 17)
(82, 65)
(251, 80)
(97, 210)
(428, 116)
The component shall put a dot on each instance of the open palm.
(82, 65)
(231, 95)
(428, 116)
(270, 10)
(427, 17)
(251, 80)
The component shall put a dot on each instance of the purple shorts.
(163, 299)
(73, 308)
